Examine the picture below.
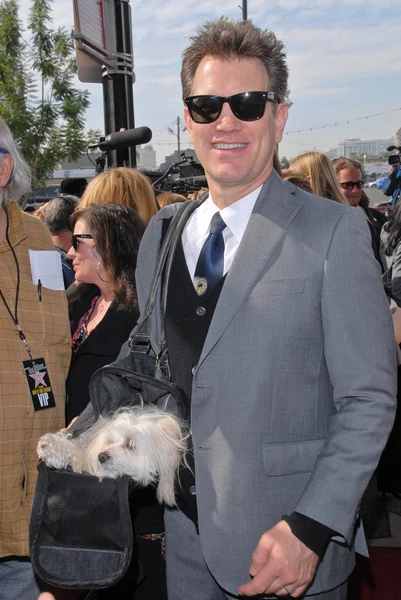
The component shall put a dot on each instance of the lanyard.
(14, 317)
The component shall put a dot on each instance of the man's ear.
(6, 168)
(281, 117)
(188, 122)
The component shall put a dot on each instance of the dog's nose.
(103, 457)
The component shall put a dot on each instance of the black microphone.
(124, 139)
(391, 148)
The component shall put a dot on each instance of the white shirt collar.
(235, 216)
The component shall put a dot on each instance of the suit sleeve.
(360, 354)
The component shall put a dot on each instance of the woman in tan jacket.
(34, 360)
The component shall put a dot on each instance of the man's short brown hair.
(228, 39)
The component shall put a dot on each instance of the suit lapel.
(275, 209)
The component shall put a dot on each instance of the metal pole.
(178, 137)
(244, 10)
(109, 112)
(117, 88)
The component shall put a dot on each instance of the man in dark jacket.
(392, 186)
(57, 215)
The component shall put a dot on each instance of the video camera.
(182, 177)
(394, 159)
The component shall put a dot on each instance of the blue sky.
(344, 59)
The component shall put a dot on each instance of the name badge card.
(39, 383)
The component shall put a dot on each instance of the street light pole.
(117, 87)
(178, 134)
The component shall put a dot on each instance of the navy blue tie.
(210, 266)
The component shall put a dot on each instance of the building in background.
(354, 147)
(332, 153)
(146, 157)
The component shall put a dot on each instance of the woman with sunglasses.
(104, 309)
(103, 312)
(349, 174)
(316, 168)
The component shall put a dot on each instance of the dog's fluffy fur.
(145, 443)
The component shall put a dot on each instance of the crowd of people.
(281, 320)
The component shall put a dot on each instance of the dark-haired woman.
(103, 313)
(389, 469)
(104, 310)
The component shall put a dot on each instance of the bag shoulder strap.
(140, 336)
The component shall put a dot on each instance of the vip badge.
(39, 384)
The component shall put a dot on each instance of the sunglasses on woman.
(78, 236)
(349, 185)
(247, 106)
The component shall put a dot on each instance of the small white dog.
(145, 443)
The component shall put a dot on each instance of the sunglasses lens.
(204, 109)
(249, 106)
(349, 185)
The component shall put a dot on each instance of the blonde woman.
(166, 198)
(125, 186)
(316, 167)
(297, 179)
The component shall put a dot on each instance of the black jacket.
(376, 221)
(100, 348)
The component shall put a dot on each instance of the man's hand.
(65, 429)
(280, 559)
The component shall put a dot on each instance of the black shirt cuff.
(313, 534)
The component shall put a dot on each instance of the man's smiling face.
(235, 154)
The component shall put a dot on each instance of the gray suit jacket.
(294, 394)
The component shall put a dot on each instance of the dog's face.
(146, 446)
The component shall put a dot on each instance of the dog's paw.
(52, 448)
(46, 444)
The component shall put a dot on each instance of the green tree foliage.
(92, 136)
(38, 100)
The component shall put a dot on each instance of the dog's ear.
(170, 439)
(170, 426)
(165, 489)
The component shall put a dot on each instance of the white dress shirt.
(235, 216)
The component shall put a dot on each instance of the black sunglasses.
(77, 236)
(247, 106)
(349, 185)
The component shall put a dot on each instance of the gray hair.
(228, 39)
(19, 183)
(58, 212)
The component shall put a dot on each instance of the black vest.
(187, 320)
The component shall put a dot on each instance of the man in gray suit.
(279, 333)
